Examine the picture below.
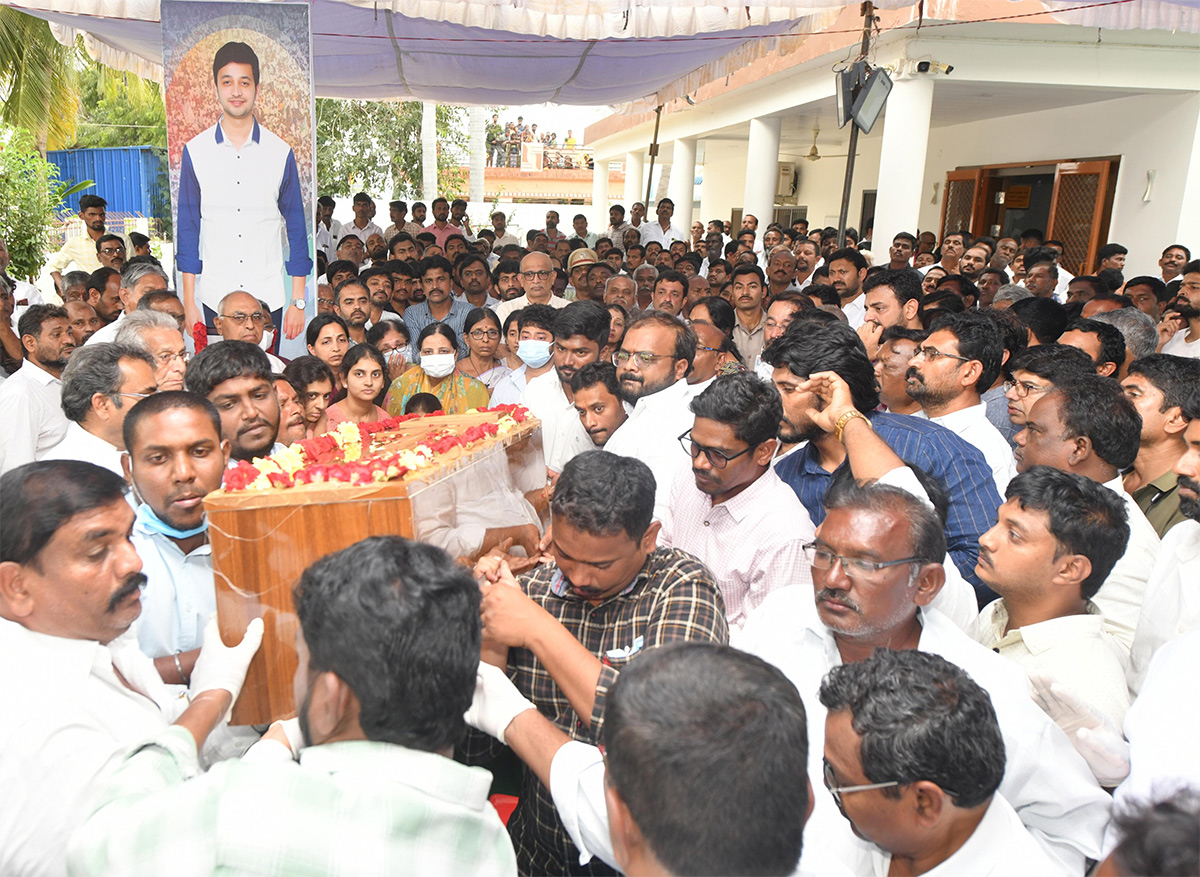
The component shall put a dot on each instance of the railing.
(539, 156)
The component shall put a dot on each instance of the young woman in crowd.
(313, 382)
(616, 331)
(328, 340)
(512, 338)
(481, 333)
(436, 374)
(364, 372)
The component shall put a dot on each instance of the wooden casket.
(439, 479)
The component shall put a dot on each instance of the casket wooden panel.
(262, 541)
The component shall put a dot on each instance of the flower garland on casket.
(344, 455)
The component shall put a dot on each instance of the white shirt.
(1120, 597)
(651, 434)
(1074, 650)
(1045, 779)
(1171, 602)
(108, 332)
(1000, 846)
(1178, 345)
(855, 311)
(514, 304)
(1161, 727)
(67, 715)
(179, 596)
(33, 421)
(510, 387)
(972, 425)
(751, 542)
(653, 231)
(505, 240)
(79, 444)
(361, 233)
(563, 435)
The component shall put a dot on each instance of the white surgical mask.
(438, 365)
(534, 354)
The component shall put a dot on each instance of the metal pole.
(653, 155)
(868, 12)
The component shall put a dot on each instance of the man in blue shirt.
(239, 191)
(807, 349)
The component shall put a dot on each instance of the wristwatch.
(299, 303)
(840, 426)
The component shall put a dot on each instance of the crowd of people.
(504, 145)
(919, 529)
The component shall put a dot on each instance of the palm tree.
(38, 78)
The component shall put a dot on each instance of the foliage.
(37, 80)
(118, 109)
(29, 195)
(375, 146)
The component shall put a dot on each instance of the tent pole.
(653, 154)
(868, 11)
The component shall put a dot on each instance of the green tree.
(29, 195)
(376, 146)
(37, 80)
(118, 109)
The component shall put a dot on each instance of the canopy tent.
(634, 54)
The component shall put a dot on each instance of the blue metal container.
(132, 179)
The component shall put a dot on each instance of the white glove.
(1092, 733)
(224, 667)
(496, 703)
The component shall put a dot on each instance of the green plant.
(30, 195)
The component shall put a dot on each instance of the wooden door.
(1079, 211)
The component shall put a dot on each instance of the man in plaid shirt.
(565, 631)
(389, 649)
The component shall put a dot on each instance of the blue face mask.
(534, 354)
(148, 519)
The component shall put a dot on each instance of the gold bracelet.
(840, 426)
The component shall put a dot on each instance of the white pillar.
(429, 163)
(635, 179)
(762, 161)
(478, 152)
(682, 187)
(1189, 208)
(902, 161)
(599, 215)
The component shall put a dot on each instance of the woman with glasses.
(328, 340)
(436, 374)
(481, 333)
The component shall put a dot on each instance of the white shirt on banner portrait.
(235, 207)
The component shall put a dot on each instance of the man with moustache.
(292, 427)
(353, 306)
(84, 321)
(1182, 318)
(31, 399)
(506, 280)
(749, 331)
(236, 378)
(598, 401)
(70, 591)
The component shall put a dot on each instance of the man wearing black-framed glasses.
(914, 759)
(731, 510)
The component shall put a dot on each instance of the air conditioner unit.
(785, 185)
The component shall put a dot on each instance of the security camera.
(932, 67)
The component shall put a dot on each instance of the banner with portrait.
(241, 145)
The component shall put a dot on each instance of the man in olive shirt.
(1157, 385)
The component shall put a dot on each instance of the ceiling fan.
(814, 154)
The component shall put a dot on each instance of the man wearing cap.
(578, 264)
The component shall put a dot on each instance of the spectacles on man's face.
(717, 458)
(643, 358)
(854, 567)
(932, 354)
(837, 791)
(165, 359)
(537, 275)
(135, 395)
(258, 318)
(112, 251)
(1023, 388)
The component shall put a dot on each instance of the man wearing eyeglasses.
(158, 335)
(1034, 371)
(652, 362)
(947, 375)
(110, 252)
(99, 385)
(141, 274)
(240, 317)
(731, 510)
(914, 759)
(537, 281)
(877, 571)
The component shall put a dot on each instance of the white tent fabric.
(633, 54)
